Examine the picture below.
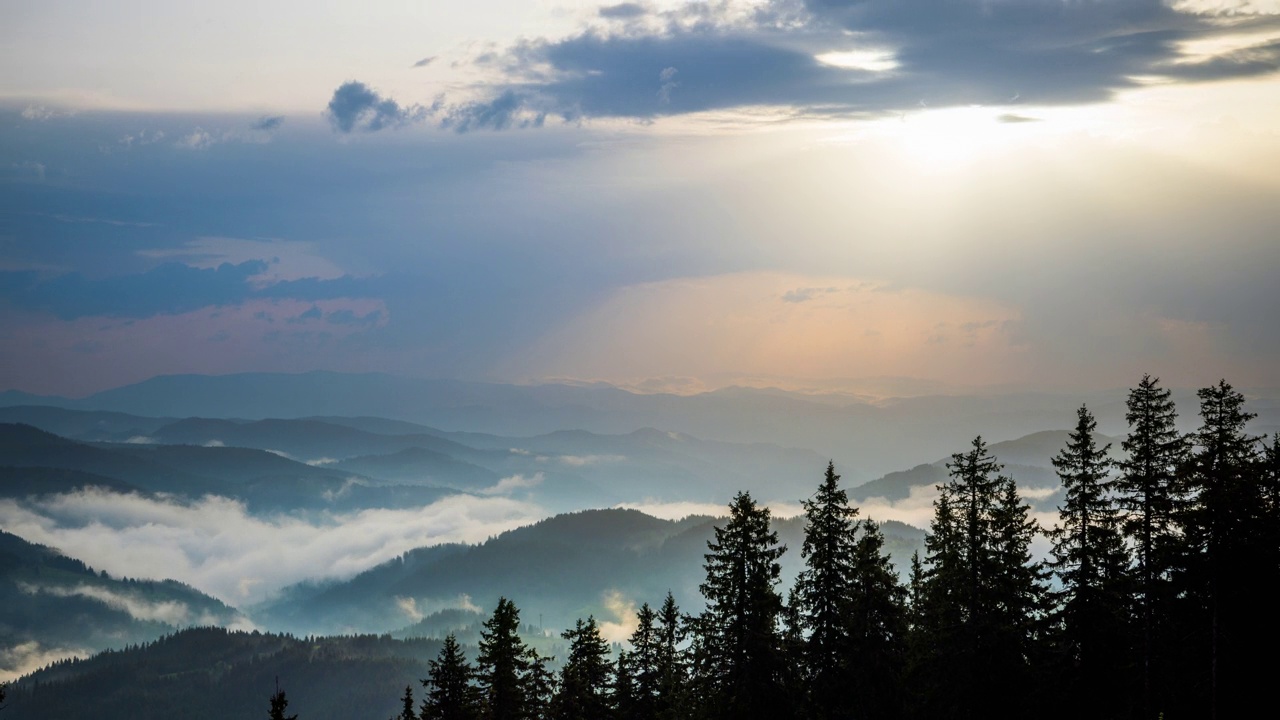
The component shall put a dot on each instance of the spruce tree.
(513, 679)
(823, 595)
(450, 692)
(1225, 528)
(586, 676)
(981, 597)
(851, 609)
(278, 705)
(740, 663)
(877, 628)
(406, 709)
(626, 703)
(672, 667)
(642, 665)
(1149, 496)
(1091, 562)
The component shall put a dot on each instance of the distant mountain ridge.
(867, 439)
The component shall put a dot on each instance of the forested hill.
(51, 604)
(562, 568)
(216, 674)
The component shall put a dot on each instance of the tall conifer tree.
(450, 692)
(1091, 562)
(587, 676)
(672, 666)
(513, 679)
(823, 593)
(1149, 497)
(740, 662)
(982, 595)
(1225, 527)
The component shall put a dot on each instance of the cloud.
(424, 62)
(667, 78)
(214, 545)
(198, 139)
(623, 622)
(585, 460)
(683, 509)
(623, 11)
(169, 612)
(734, 55)
(175, 288)
(284, 259)
(356, 106)
(409, 607)
(415, 609)
(510, 109)
(40, 113)
(267, 123)
(800, 295)
(509, 485)
(27, 657)
(169, 288)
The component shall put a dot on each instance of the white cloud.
(28, 657)
(409, 607)
(681, 509)
(170, 612)
(214, 544)
(416, 609)
(198, 139)
(624, 621)
(41, 112)
(508, 485)
(583, 460)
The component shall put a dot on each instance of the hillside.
(216, 674)
(52, 605)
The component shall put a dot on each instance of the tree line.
(1148, 598)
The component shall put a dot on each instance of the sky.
(668, 195)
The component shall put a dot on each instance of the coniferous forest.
(1146, 597)
(1153, 601)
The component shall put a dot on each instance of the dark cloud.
(1257, 60)
(945, 53)
(268, 123)
(509, 109)
(424, 62)
(1015, 118)
(172, 288)
(356, 106)
(623, 11)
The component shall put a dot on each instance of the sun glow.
(869, 60)
(954, 138)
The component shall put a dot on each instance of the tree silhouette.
(1091, 562)
(586, 676)
(513, 678)
(1224, 528)
(278, 705)
(739, 663)
(823, 597)
(406, 710)
(450, 692)
(981, 596)
(1149, 496)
